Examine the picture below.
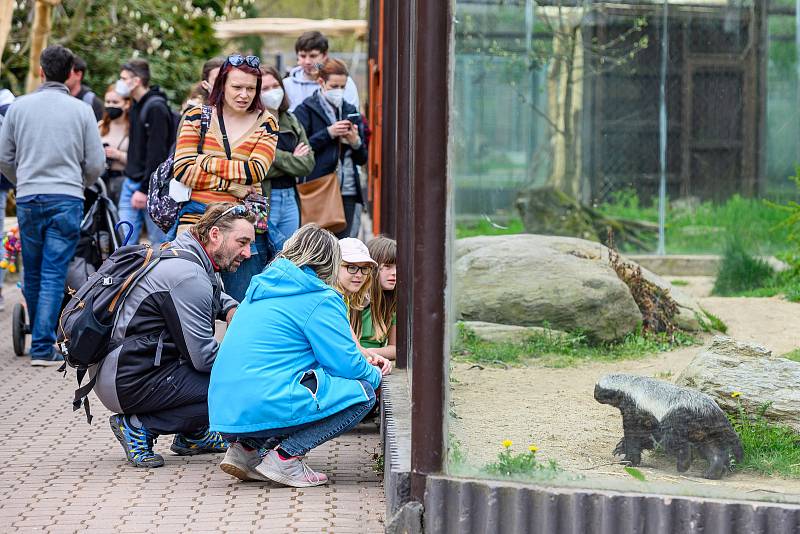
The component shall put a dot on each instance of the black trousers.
(350, 202)
(177, 405)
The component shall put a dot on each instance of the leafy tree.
(174, 36)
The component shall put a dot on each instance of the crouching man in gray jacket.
(157, 378)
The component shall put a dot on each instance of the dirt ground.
(555, 408)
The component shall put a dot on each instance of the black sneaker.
(207, 443)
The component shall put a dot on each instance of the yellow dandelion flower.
(533, 448)
(507, 443)
(736, 394)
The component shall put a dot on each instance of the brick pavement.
(58, 474)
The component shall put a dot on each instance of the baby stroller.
(100, 236)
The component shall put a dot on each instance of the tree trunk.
(42, 24)
(6, 14)
(564, 105)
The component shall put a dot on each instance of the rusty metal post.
(429, 193)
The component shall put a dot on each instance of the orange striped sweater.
(211, 173)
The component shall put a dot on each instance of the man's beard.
(225, 261)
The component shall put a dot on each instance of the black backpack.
(87, 322)
(175, 117)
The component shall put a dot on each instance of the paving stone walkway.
(58, 474)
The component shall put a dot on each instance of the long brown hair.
(382, 303)
(105, 122)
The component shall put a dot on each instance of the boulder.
(503, 333)
(533, 280)
(729, 366)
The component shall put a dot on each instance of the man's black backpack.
(86, 327)
(175, 117)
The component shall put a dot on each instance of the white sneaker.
(241, 463)
(292, 472)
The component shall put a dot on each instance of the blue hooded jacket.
(289, 323)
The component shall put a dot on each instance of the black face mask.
(113, 112)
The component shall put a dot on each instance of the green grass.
(701, 230)
(740, 272)
(511, 465)
(484, 227)
(710, 322)
(793, 355)
(769, 449)
(679, 283)
(553, 350)
(754, 222)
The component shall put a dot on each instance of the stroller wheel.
(19, 328)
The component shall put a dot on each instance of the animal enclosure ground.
(555, 408)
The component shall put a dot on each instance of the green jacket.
(286, 164)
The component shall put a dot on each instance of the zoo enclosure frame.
(416, 58)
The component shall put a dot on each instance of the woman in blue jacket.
(288, 375)
(335, 132)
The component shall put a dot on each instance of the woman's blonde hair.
(314, 247)
(382, 303)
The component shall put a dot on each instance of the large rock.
(533, 280)
(505, 333)
(729, 366)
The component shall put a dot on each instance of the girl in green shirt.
(376, 323)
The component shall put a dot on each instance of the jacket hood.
(296, 75)
(282, 279)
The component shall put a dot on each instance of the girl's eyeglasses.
(237, 60)
(353, 269)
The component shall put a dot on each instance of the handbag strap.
(205, 123)
(224, 133)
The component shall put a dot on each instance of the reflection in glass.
(566, 118)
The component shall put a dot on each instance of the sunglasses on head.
(353, 269)
(238, 60)
(237, 211)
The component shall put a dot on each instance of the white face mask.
(335, 97)
(122, 89)
(272, 98)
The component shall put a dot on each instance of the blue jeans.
(284, 217)
(49, 230)
(236, 283)
(137, 218)
(298, 440)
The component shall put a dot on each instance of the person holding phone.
(335, 131)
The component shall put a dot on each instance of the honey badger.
(682, 421)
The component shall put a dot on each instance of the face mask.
(272, 98)
(113, 112)
(122, 89)
(335, 97)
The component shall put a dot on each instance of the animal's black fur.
(681, 421)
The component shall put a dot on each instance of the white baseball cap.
(354, 251)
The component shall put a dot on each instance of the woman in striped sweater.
(237, 151)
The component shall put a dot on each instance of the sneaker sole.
(122, 441)
(280, 478)
(241, 474)
(180, 451)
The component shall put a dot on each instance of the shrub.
(740, 271)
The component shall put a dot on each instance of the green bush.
(739, 272)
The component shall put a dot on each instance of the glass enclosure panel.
(626, 268)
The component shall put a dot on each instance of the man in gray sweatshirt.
(50, 149)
